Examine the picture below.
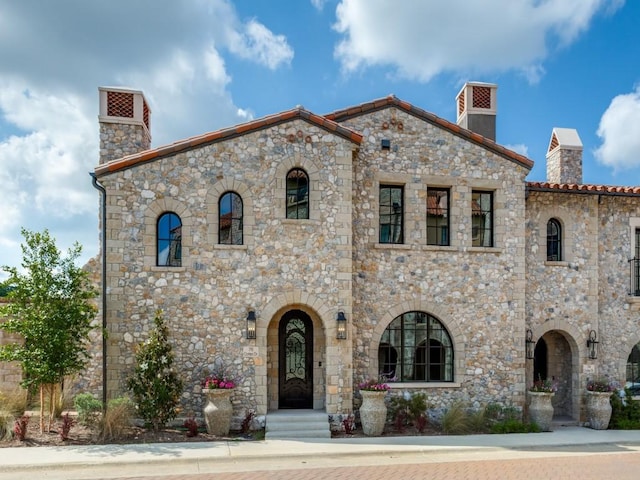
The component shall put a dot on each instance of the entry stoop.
(292, 424)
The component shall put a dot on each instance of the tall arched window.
(416, 347)
(230, 219)
(554, 240)
(297, 193)
(169, 240)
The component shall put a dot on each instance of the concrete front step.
(297, 424)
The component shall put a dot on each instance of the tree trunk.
(41, 408)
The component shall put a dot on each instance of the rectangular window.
(482, 219)
(391, 214)
(438, 216)
(635, 267)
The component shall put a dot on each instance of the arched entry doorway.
(554, 360)
(295, 360)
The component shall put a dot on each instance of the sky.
(209, 64)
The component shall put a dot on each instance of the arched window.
(169, 240)
(554, 241)
(297, 194)
(416, 347)
(230, 219)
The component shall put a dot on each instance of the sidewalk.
(37, 458)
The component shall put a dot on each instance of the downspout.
(103, 208)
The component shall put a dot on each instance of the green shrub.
(154, 383)
(625, 415)
(513, 425)
(88, 407)
(6, 425)
(409, 411)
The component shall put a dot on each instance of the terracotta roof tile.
(392, 100)
(583, 188)
(219, 135)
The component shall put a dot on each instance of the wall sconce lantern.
(529, 344)
(251, 324)
(341, 324)
(592, 345)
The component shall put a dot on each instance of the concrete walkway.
(24, 459)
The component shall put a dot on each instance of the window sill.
(392, 246)
(219, 246)
(633, 300)
(411, 385)
(158, 268)
(550, 263)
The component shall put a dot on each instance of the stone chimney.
(477, 108)
(564, 157)
(124, 123)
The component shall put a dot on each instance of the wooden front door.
(295, 360)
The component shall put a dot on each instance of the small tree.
(50, 307)
(155, 385)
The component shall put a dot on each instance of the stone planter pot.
(541, 409)
(598, 409)
(218, 410)
(373, 412)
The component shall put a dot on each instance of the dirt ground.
(82, 435)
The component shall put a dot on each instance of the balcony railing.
(634, 277)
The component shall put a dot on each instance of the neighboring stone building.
(376, 239)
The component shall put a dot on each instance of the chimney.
(477, 108)
(124, 123)
(564, 157)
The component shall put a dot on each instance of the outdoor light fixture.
(341, 323)
(529, 344)
(251, 324)
(592, 345)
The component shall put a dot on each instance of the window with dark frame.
(230, 218)
(554, 240)
(482, 218)
(169, 240)
(391, 214)
(438, 216)
(416, 347)
(297, 194)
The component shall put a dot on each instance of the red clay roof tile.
(584, 189)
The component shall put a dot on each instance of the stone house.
(310, 252)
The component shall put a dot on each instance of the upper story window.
(391, 214)
(482, 218)
(230, 219)
(416, 347)
(169, 240)
(554, 240)
(297, 193)
(438, 216)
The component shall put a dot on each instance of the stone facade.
(486, 298)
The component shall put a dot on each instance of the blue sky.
(208, 64)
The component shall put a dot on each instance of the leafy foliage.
(625, 413)
(88, 407)
(154, 383)
(50, 308)
(409, 410)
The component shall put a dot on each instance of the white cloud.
(421, 39)
(619, 132)
(318, 4)
(54, 55)
(258, 43)
(520, 148)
